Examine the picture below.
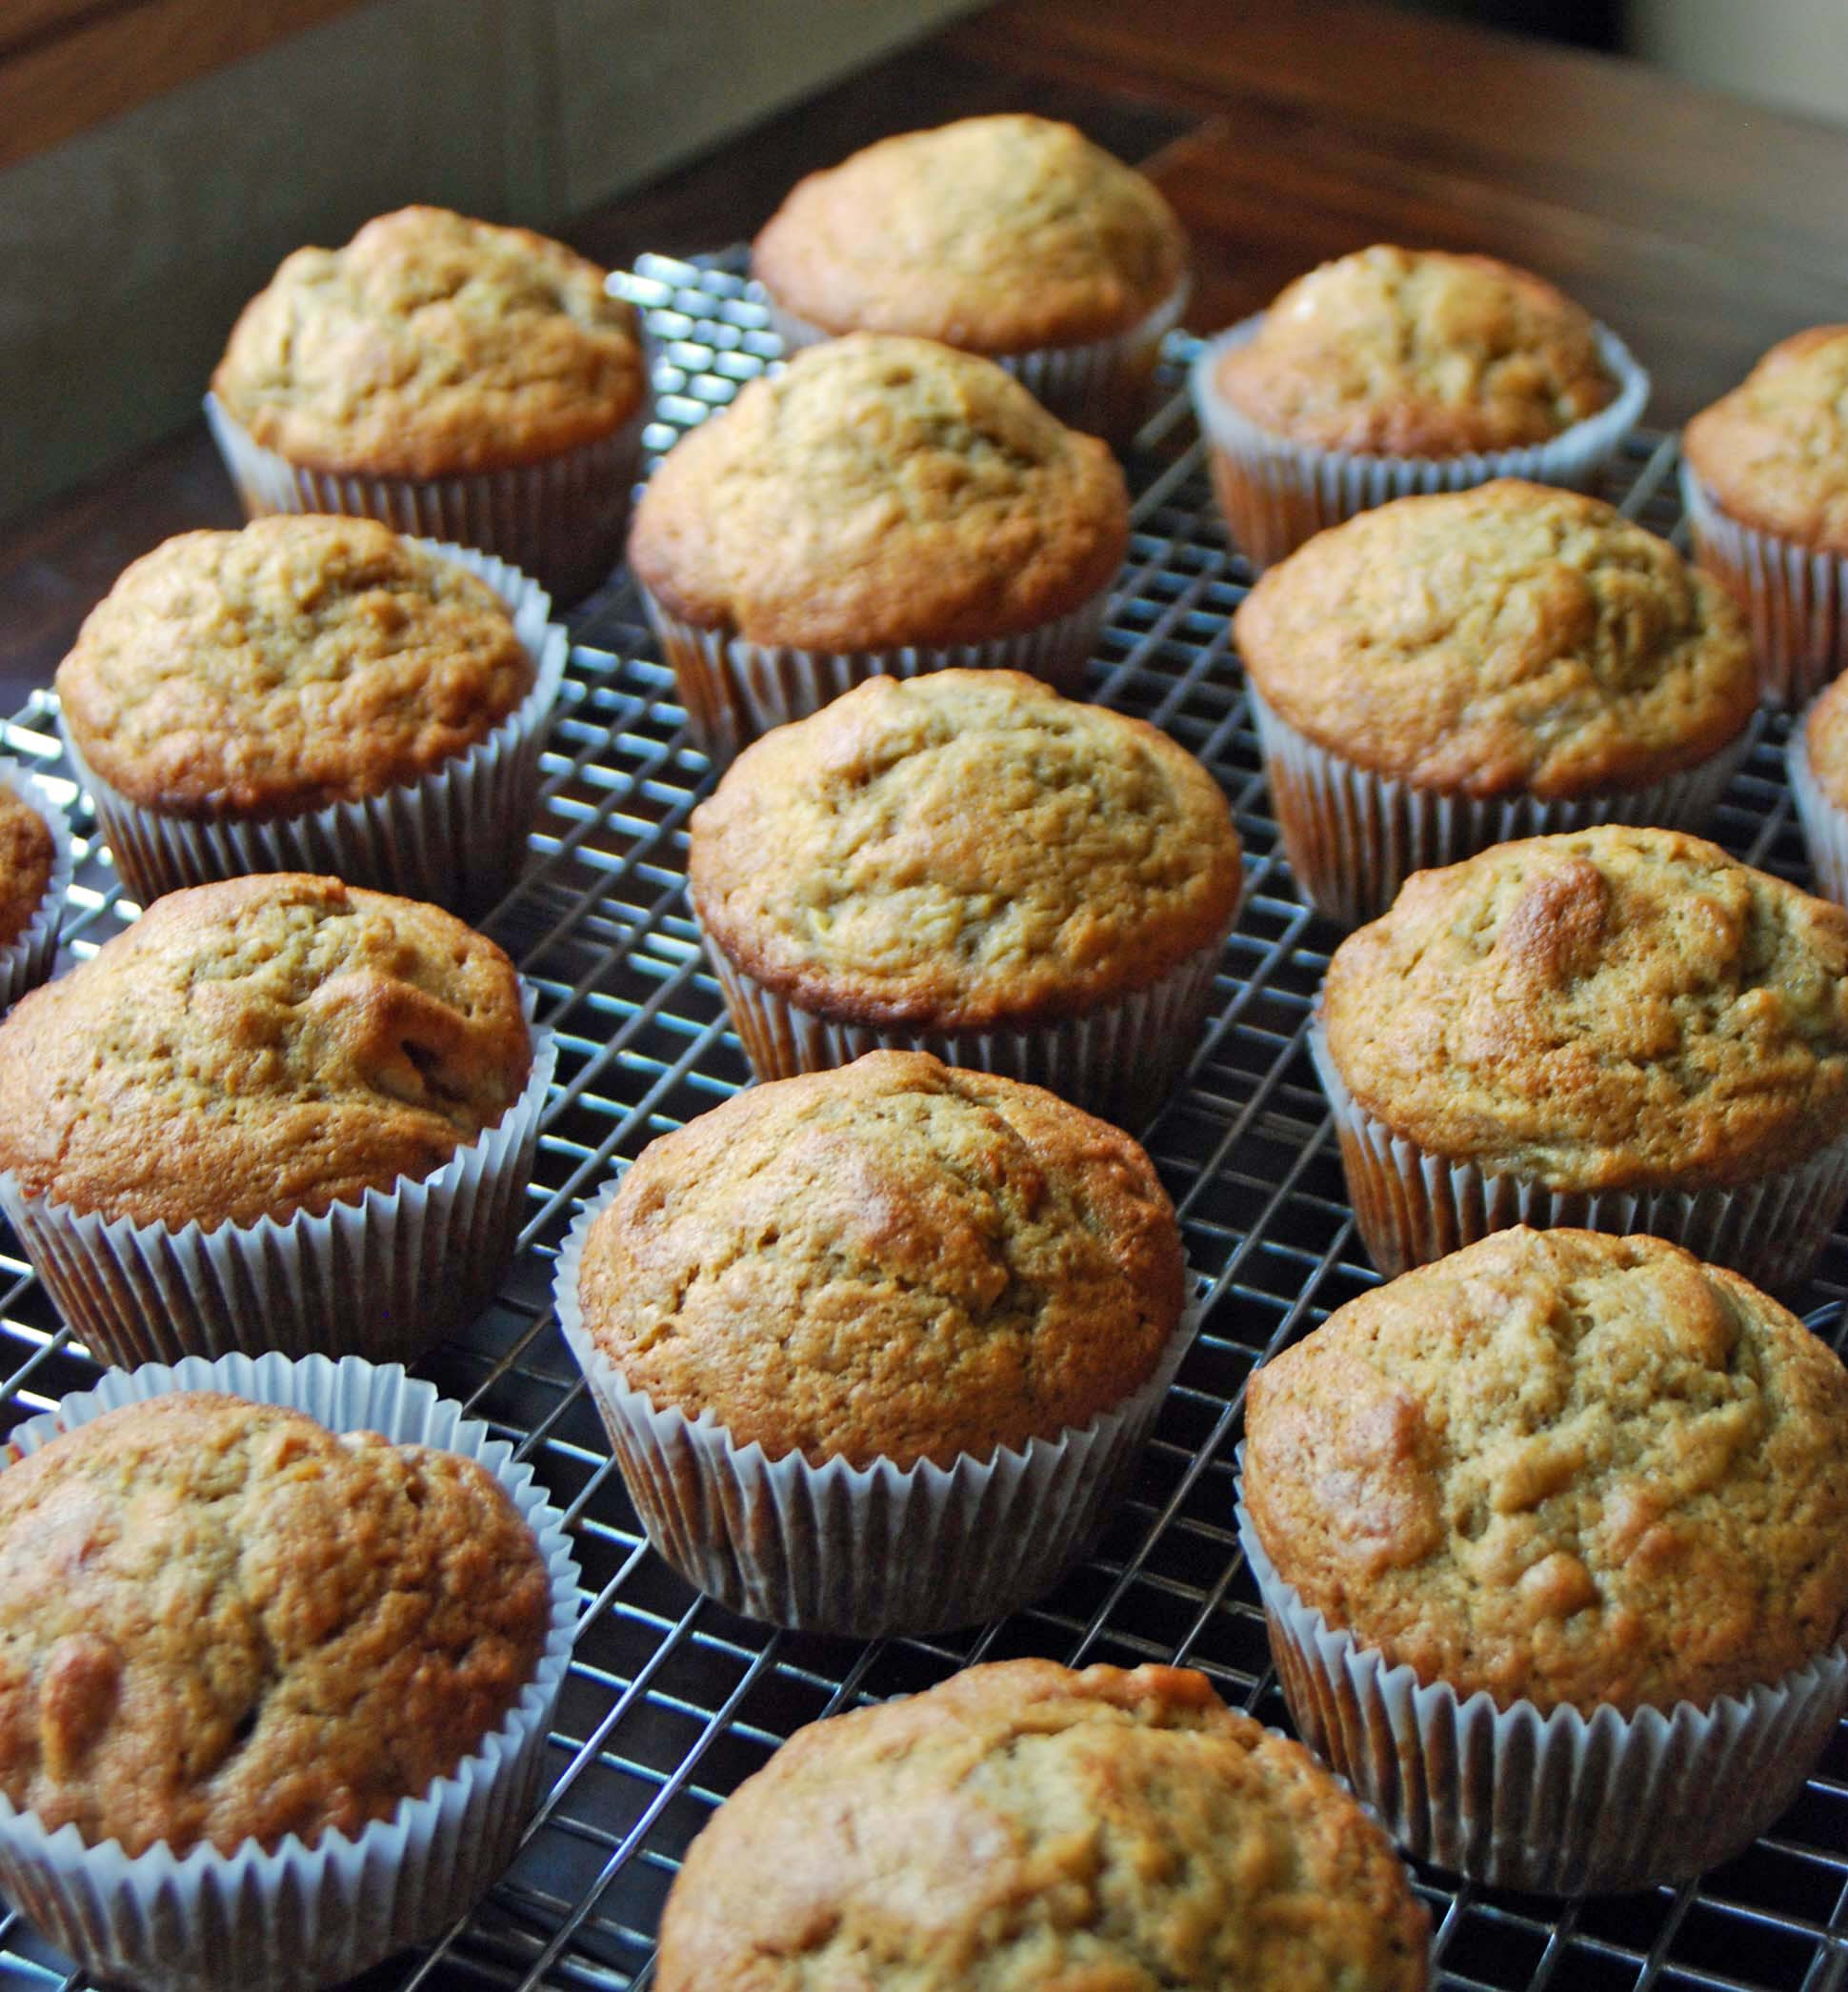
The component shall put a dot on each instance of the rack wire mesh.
(671, 1701)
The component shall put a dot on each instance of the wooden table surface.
(1284, 131)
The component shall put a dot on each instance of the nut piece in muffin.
(299, 662)
(221, 1623)
(258, 1048)
(1022, 1825)
(29, 855)
(1507, 643)
(892, 1261)
(969, 853)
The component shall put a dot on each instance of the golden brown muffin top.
(1509, 637)
(1562, 1466)
(1825, 741)
(996, 234)
(1023, 1826)
(962, 849)
(893, 1259)
(1415, 352)
(28, 857)
(259, 1047)
(300, 662)
(1612, 1008)
(881, 492)
(1774, 452)
(221, 1621)
(431, 346)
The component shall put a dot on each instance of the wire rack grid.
(671, 1701)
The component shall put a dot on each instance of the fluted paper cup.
(27, 958)
(1102, 386)
(1276, 493)
(1795, 600)
(1412, 1207)
(384, 1278)
(1555, 1801)
(735, 690)
(299, 1917)
(455, 836)
(562, 520)
(1354, 837)
(1825, 823)
(860, 1551)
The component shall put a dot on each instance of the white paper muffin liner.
(28, 960)
(562, 520)
(1795, 600)
(455, 836)
(1412, 1207)
(1103, 386)
(1825, 823)
(384, 1278)
(1558, 1801)
(302, 1917)
(735, 690)
(860, 1551)
(1119, 1060)
(1354, 837)
(1276, 493)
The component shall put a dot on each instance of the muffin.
(36, 865)
(1444, 673)
(467, 382)
(274, 1697)
(314, 693)
(885, 506)
(968, 864)
(274, 1112)
(1393, 372)
(1619, 1027)
(1021, 1825)
(1818, 760)
(1011, 237)
(1590, 1497)
(892, 1303)
(1764, 475)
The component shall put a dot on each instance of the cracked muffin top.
(1417, 353)
(1565, 1467)
(1612, 1008)
(300, 662)
(996, 234)
(881, 492)
(220, 1622)
(895, 1259)
(1508, 638)
(259, 1047)
(963, 849)
(1023, 1826)
(431, 346)
(1774, 452)
(28, 857)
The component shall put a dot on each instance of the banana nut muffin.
(1022, 1825)
(256, 1048)
(28, 857)
(430, 345)
(1417, 353)
(300, 662)
(220, 1622)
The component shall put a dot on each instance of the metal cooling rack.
(671, 1701)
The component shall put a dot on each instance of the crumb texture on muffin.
(28, 857)
(1774, 452)
(220, 1622)
(256, 1048)
(1508, 638)
(893, 1260)
(1417, 353)
(1608, 1010)
(1021, 1826)
(1565, 1467)
(963, 848)
(431, 346)
(993, 234)
(300, 662)
(881, 492)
